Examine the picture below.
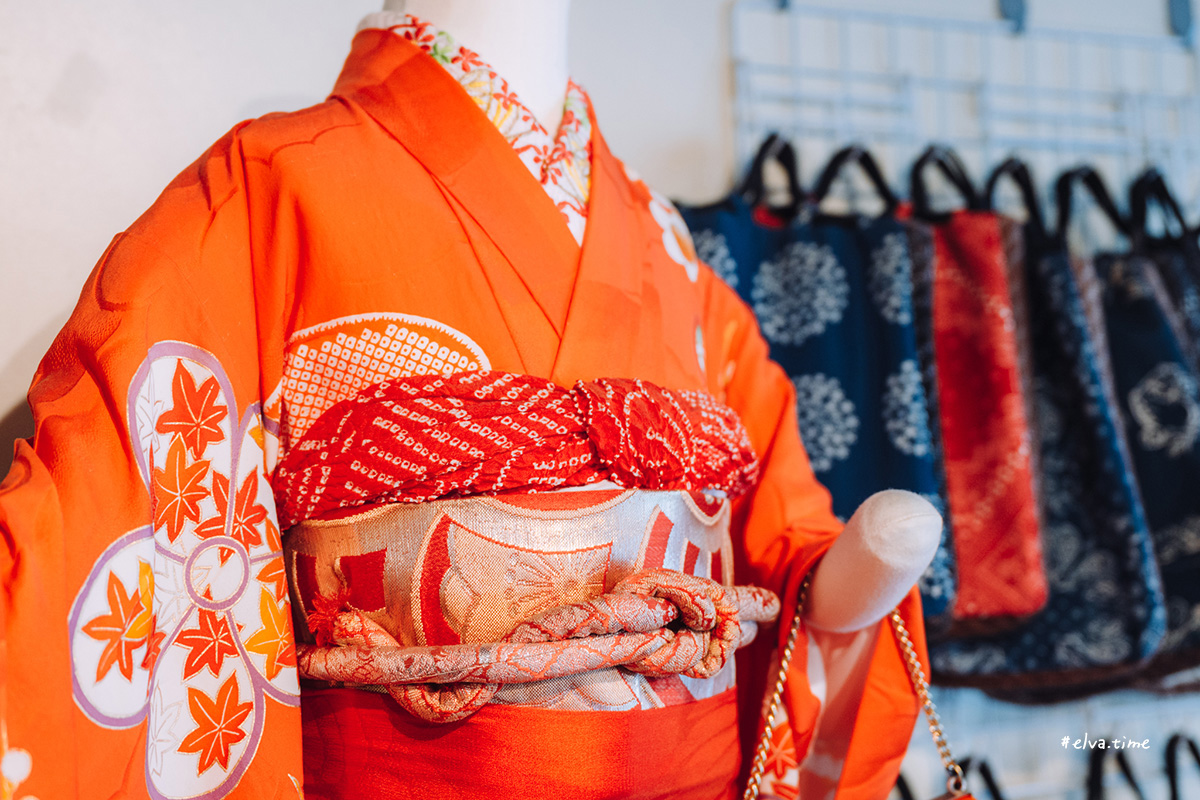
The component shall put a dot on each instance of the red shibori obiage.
(433, 436)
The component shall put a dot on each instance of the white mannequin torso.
(524, 40)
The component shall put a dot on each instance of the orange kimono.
(148, 640)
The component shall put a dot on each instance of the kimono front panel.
(238, 308)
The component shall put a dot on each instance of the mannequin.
(893, 536)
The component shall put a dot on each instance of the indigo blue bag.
(1158, 394)
(834, 298)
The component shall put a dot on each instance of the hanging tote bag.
(835, 303)
(984, 428)
(1105, 613)
(1158, 394)
(1176, 254)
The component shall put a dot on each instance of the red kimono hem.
(359, 743)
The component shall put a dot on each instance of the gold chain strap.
(785, 660)
(955, 782)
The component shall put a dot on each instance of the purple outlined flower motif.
(181, 623)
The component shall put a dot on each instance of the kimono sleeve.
(786, 523)
(780, 531)
(147, 644)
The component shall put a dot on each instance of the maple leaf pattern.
(249, 513)
(275, 639)
(274, 541)
(162, 738)
(215, 525)
(113, 628)
(218, 724)
(178, 490)
(782, 755)
(209, 643)
(195, 414)
(153, 647)
(145, 617)
(274, 575)
(142, 626)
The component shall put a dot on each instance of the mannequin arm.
(886, 545)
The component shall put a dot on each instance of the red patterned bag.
(986, 437)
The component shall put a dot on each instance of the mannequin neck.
(525, 41)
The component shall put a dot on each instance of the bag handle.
(1172, 759)
(952, 167)
(905, 791)
(855, 154)
(1095, 774)
(1150, 187)
(1018, 171)
(1091, 180)
(753, 187)
(985, 772)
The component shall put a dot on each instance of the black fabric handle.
(1172, 759)
(903, 788)
(955, 172)
(1095, 774)
(855, 153)
(1091, 180)
(985, 772)
(1019, 172)
(753, 188)
(1151, 187)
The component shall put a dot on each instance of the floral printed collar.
(562, 163)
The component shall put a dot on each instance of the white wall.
(101, 104)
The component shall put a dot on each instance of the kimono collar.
(417, 102)
(561, 163)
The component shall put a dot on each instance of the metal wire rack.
(824, 75)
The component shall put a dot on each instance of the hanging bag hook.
(753, 187)
(952, 167)
(855, 153)
(1091, 180)
(1018, 171)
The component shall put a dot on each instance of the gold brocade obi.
(470, 570)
